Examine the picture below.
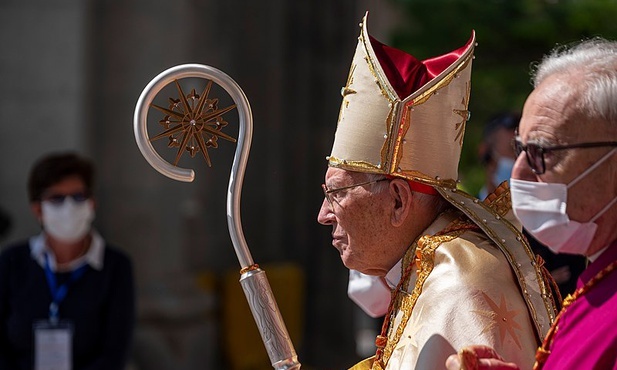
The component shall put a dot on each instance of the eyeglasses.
(328, 192)
(78, 197)
(535, 152)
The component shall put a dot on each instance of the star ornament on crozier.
(193, 123)
(500, 316)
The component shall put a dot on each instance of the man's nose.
(326, 214)
(522, 170)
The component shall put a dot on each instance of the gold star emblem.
(348, 90)
(502, 318)
(465, 114)
(416, 326)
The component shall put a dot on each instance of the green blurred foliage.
(511, 36)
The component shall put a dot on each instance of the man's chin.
(347, 262)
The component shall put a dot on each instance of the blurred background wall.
(71, 73)
(70, 76)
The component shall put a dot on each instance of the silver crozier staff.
(194, 123)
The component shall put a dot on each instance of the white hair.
(595, 60)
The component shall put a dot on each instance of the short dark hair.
(55, 167)
(507, 120)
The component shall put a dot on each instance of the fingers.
(495, 364)
(453, 362)
(484, 352)
(478, 358)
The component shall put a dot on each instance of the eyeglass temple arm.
(253, 280)
(598, 144)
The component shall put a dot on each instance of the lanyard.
(58, 293)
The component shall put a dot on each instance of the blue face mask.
(503, 170)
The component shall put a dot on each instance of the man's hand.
(478, 358)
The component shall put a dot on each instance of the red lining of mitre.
(417, 186)
(406, 73)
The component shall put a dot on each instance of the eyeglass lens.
(534, 154)
(328, 192)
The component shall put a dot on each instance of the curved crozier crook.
(245, 133)
(253, 279)
(162, 80)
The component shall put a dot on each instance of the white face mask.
(369, 292)
(68, 221)
(541, 208)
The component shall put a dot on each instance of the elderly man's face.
(360, 222)
(550, 118)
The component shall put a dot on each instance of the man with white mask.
(66, 296)
(497, 157)
(564, 190)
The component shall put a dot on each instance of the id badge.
(53, 345)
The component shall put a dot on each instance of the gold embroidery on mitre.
(425, 247)
(400, 137)
(413, 175)
(347, 90)
(460, 126)
(405, 123)
(390, 124)
(355, 164)
(501, 317)
(384, 88)
(387, 91)
(445, 81)
(361, 166)
(391, 140)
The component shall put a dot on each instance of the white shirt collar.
(595, 256)
(394, 275)
(93, 257)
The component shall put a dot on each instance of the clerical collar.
(394, 275)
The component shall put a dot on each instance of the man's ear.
(402, 196)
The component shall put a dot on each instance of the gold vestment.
(469, 279)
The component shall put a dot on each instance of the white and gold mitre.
(401, 116)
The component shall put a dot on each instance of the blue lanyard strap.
(58, 293)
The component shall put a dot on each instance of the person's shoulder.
(114, 251)
(15, 249)
(15, 256)
(115, 255)
(469, 247)
(472, 256)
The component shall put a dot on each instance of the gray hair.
(595, 60)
